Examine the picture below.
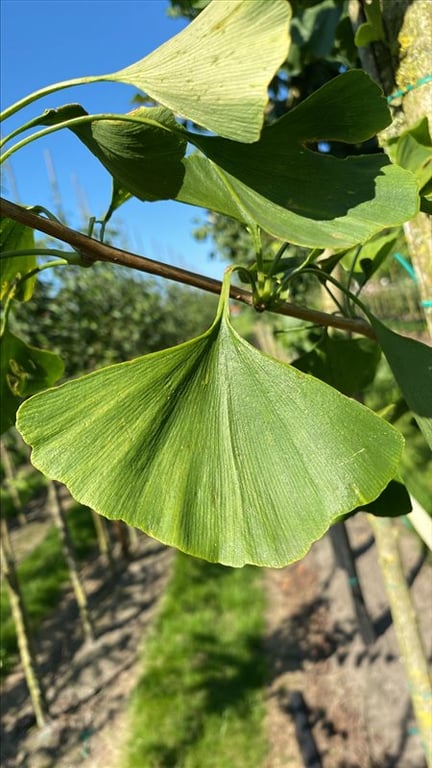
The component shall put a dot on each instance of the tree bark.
(104, 543)
(406, 628)
(409, 27)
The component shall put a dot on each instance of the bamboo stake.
(406, 627)
(56, 509)
(25, 646)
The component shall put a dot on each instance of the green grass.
(42, 575)
(199, 702)
(30, 485)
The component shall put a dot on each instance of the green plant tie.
(411, 87)
(426, 303)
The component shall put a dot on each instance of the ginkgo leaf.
(411, 364)
(303, 196)
(216, 71)
(364, 263)
(143, 152)
(348, 365)
(392, 199)
(24, 370)
(213, 447)
(279, 183)
(413, 151)
(16, 237)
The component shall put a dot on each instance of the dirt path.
(355, 697)
(87, 685)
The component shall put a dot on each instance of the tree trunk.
(121, 531)
(104, 543)
(409, 26)
(56, 509)
(406, 628)
(28, 660)
(9, 471)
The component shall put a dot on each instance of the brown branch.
(93, 250)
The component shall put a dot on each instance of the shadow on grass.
(200, 699)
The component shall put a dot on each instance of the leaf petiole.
(31, 97)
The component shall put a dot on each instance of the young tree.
(212, 446)
(25, 645)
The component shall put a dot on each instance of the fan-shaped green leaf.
(304, 196)
(348, 365)
(411, 363)
(213, 447)
(143, 157)
(367, 261)
(393, 199)
(217, 70)
(24, 370)
(16, 237)
(413, 150)
(372, 30)
(290, 191)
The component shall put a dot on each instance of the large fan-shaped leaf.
(393, 198)
(300, 195)
(213, 447)
(217, 70)
(365, 263)
(413, 150)
(280, 184)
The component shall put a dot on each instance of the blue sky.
(47, 41)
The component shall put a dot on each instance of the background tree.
(101, 316)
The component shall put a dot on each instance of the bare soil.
(332, 700)
(357, 711)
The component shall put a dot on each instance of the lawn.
(199, 702)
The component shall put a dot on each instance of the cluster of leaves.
(211, 446)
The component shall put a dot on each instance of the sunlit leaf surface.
(217, 70)
(280, 182)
